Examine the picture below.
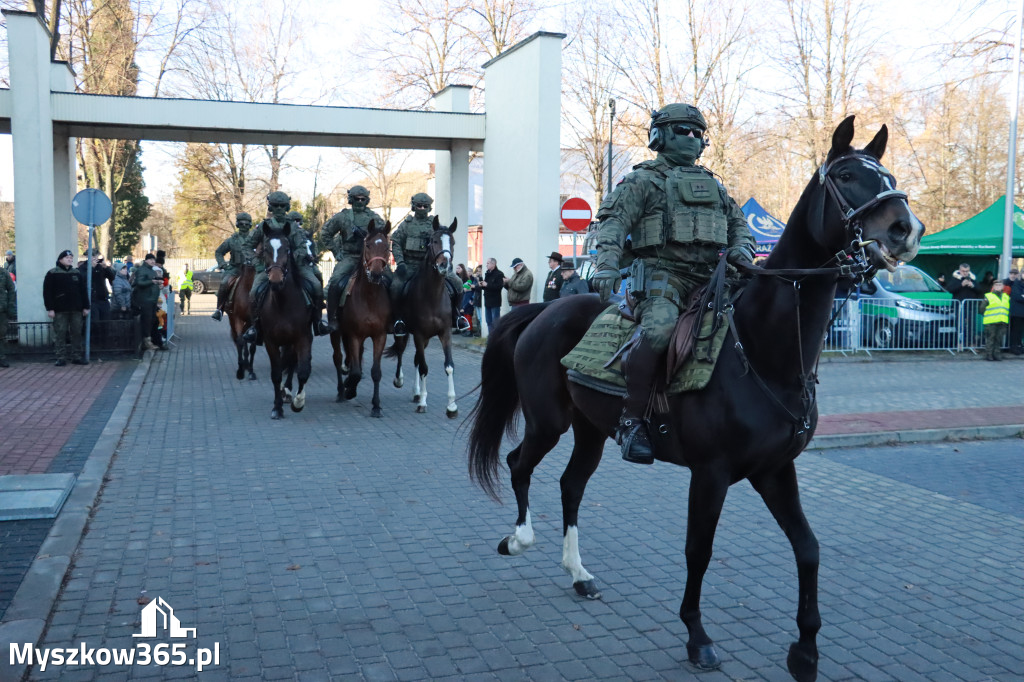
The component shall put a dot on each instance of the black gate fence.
(109, 337)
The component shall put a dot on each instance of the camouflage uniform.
(298, 244)
(343, 235)
(8, 310)
(241, 254)
(678, 218)
(409, 245)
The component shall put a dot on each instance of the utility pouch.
(698, 190)
(659, 285)
(638, 279)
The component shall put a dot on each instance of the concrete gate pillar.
(451, 173)
(65, 165)
(522, 154)
(40, 230)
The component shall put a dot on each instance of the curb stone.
(26, 617)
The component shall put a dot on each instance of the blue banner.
(765, 227)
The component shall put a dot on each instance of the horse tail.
(494, 413)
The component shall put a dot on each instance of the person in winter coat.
(571, 282)
(67, 302)
(121, 304)
(520, 284)
(492, 284)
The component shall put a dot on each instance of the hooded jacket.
(64, 290)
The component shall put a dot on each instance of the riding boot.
(640, 367)
(399, 328)
(320, 328)
(459, 322)
(333, 299)
(217, 314)
(254, 334)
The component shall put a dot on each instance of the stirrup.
(462, 324)
(217, 314)
(633, 436)
(321, 328)
(252, 336)
(399, 328)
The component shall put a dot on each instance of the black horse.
(285, 318)
(428, 313)
(752, 420)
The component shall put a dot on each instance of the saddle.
(694, 346)
(232, 287)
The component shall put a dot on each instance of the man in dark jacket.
(66, 302)
(553, 283)
(572, 284)
(145, 293)
(494, 281)
(8, 310)
(100, 298)
(1016, 290)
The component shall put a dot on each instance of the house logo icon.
(159, 612)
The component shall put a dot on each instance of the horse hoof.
(398, 383)
(503, 547)
(276, 414)
(240, 374)
(350, 393)
(416, 398)
(376, 412)
(803, 666)
(297, 409)
(704, 656)
(420, 409)
(452, 414)
(587, 588)
(340, 398)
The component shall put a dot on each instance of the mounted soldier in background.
(278, 204)
(241, 255)
(343, 235)
(314, 253)
(409, 244)
(678, 218)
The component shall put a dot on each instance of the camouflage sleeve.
(398, 244)
(224, 247)
(618, 213)
(327, 232)
(297, 241)
(739, 231)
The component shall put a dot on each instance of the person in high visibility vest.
(996, 319)
(185, 290)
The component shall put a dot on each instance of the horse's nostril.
(899, 231)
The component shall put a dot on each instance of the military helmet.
(279, 197)
(243, 216)
(296, 216)
(422, 198)
(358, 191)
(678, 113)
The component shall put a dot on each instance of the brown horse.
(751, 421)
(367, 314)
(284, 316)
(239, 319)
(429, 313)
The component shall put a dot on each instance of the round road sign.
(576, 214)
(91, 207)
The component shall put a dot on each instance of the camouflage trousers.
(398, 283)
(3, 335)
(346, 265)
(68, 325)
(666, 297)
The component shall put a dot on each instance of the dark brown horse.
(752, 420)
(428, 313)
(239, 318)
(284, 317)
(366, 315)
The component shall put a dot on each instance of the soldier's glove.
(606, 282)
(740, 255)
(400, 270)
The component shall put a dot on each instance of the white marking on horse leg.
(450, 371)
(299, 401)
(523, 538)
(423, 389)
(571, 561)
(416, 386)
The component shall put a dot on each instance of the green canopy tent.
(978, 241)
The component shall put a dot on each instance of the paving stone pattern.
(330, 545)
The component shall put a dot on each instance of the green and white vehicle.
(907, 309)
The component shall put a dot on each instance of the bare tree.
(382, 171)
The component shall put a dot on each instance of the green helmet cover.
(296, 216)
(358, 191)
(422, 198)
(279, 197)
(679, 113)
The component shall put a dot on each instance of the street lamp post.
(611, 125)
(1011, 156)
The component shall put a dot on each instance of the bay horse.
(366, 314)
(428, 313)
(752, 420)
(239, 319)
(284, 317)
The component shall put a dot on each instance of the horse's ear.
(842, 137)
(877, 145)
(264, 226)
(436, 224)
(371, 227)
(387, 228)
(455, 224)
(287, 228)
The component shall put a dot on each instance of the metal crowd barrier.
(885, 324)
(108, 336)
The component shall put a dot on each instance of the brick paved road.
(333, 546)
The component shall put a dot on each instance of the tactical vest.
(693, 211)
(998, 309)
(418, 234)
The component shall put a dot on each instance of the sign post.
(90, 207)
(576, 215)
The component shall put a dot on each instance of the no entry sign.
(576, 214)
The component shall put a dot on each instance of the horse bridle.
(434, 255)
(369, 263)
(283, 268)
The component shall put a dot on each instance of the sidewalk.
(330, 544)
